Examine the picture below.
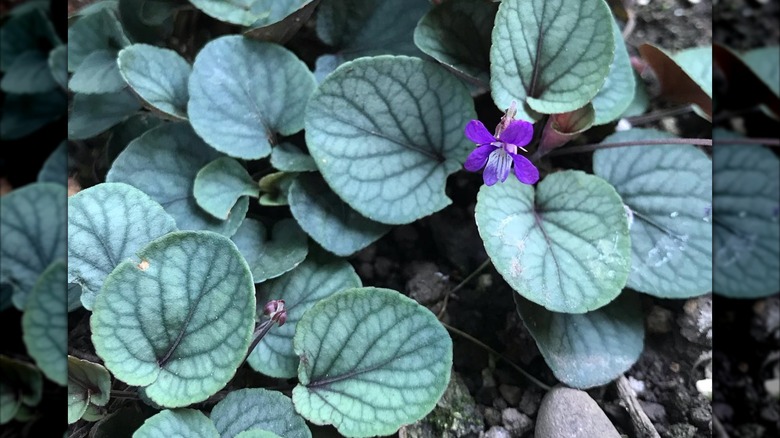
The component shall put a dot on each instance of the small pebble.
(516, 422)
(571, 413)
(655, 411)
(492, 416)
(681, 430)
(511, 394)
(496, 432)
(659, 320)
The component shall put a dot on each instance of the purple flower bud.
(276, 311)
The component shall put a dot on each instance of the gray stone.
(655, 411)
(492, 416)
(529, 402)
(427, 285)
(681, 430)
(571, 413)
(496, 432)
(659, 320)
(516, 422)
(511, 394)
(696, 322)
(499, 403)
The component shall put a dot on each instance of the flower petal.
(525, 170)
(476, 132)
(497, 168)
(478, 158)
(518, 133)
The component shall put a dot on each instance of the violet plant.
(185, 250)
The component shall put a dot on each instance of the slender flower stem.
(660, 114)
(476, 341)
(761, 141)
(128, 395)
(465, 281)
(261, 330)
(595, 146)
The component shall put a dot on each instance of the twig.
(465, 281)
(761, 141)
(643, 427)
(479, 343)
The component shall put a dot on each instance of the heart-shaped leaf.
(564, 246)
(269, 258)
(98, 73)
(242, 92)
(457, 34)
(358, 28)
(179, 422)
(178, 320)
(385, 362)
(746, 241)
(23, 32)
(329, 220)
(765, 63)
(45, 322)
(589, 349)
(33, 232)
(97, 31)
(249, 12)
(300, 289)
(159, 76)
(288, 158)
(220, 184)
(617, 93)
(685, 77)
(29, 73)
(24, 114)
(386, 132)
(668, 191)
(21, 385)
(107, 224)
(92, 114)
(256, 408)
(163, 163)
(55, 168)
(88, 384)
(553, 55)
(58, 65)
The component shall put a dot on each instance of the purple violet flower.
(497, 153)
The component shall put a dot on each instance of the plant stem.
(476, 341)
(128, 395)
(595, 146)
(465, 281)
(261, 330)
(761, 141)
